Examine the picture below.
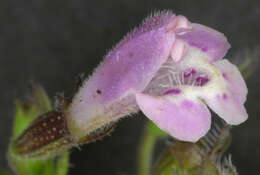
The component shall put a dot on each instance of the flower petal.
(235, 82)
(106, 95)
(184, 119)
(229, 105)
(207, 40)
(178, 51)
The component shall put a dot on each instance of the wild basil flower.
(171, 70)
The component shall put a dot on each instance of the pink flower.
(171, 70)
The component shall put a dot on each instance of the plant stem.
(146, 147)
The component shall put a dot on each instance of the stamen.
(170, 77)
(182, 78)
(162, 76)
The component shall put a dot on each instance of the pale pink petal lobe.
(235, 82)
(184, 119)
(228, 108)
(207, 40)
(229, 105)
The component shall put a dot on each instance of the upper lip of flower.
(188, 55)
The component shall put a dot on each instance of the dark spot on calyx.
(131, 54)
(99, 91)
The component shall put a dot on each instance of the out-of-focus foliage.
(146, 148)
(250, 61)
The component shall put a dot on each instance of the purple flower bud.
(165, 68)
